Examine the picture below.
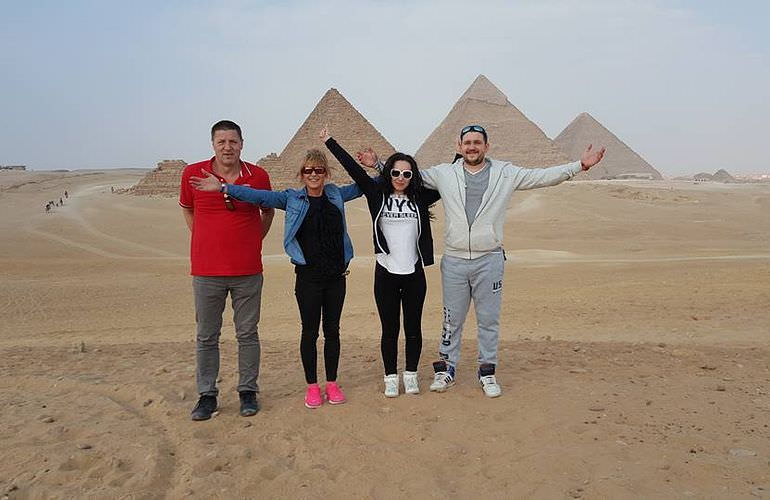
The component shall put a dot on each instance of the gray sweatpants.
(210, 295)
(479, 279)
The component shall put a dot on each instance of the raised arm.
(531, 178)
(429, 177)
(271, 199)
(356, 172)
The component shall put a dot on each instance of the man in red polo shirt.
(226, 257)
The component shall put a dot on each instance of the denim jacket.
(295, 202)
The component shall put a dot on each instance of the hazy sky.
(98, 84)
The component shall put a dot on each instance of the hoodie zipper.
(377, 223)
(460, 187)
(419, 232)
(478, 212)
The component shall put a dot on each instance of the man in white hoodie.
(475, 192)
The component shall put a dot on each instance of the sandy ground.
(633, 357)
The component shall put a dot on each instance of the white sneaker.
(490, 386)
(391, 386)
(411, 386)
(442, 381)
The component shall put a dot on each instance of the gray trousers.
(210, 296)
(479, 279)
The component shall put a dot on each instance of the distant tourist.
(475, 194)
(316, 239)
(66, 195)
(403, 245)
(226, 258)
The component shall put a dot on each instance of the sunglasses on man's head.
(473, 128)
(395, 173)
(317, 170)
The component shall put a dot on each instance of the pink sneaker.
(334, 394)
(313, 397)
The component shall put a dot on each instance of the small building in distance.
(13, 167)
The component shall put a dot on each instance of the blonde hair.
(315, 157)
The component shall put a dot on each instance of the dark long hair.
(412, 191)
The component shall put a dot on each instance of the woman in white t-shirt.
(403, 245)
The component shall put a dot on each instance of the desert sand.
(633, 358)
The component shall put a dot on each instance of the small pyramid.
(347, 126)
(162, 181)
(703, 176)
(619, 161)
(722, 175)
(512, 136)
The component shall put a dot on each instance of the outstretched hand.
(590, 157)
(207, 183)
(367, 157)
(324, 134)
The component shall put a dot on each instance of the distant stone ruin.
(619, 162)
(162, 181)
(512, 136)
(720, 175)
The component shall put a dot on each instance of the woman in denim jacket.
(316, 239)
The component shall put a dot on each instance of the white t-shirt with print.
(400, 224)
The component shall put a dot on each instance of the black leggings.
(314, 298)
(392, 292)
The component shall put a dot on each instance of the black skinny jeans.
(315, 298)
(392, 292)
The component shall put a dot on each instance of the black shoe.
(249, 403)
(486, 369)
(205, 408)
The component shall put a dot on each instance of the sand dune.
(634, 358)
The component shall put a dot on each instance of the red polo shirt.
(224, 242)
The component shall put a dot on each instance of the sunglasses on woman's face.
(406, 174)
(317, 170)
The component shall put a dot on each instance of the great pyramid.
(347, 126)
(162, 181)
(512, 136)
(620, 161)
